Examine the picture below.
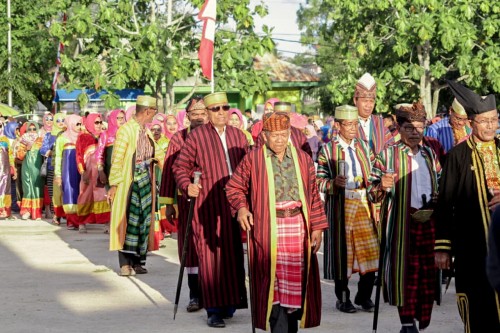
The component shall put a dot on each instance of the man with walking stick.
(286, 219)
(408, 260)
(215, 150)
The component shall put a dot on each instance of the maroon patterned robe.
(250, 180)
(168, 189)
(216, 234)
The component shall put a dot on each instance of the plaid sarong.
(361, 237)
(139, 215)
(289, 258)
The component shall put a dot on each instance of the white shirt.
(420, 180)
(349, 172)
(366, 126)
(222, 137)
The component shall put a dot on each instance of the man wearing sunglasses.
(197, 115)
(216, 150)
(132, 190)
(451, 130)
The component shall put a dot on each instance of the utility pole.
(9, 51)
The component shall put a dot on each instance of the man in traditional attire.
(469, 190)
(215, 150)
(371, 127)
(197, 115)
(408, 269)
(286, 222)
(132, 192)
(351, 243)
(451, 130)
(297, 137)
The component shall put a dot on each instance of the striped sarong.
(139, 215)
(361, 237)
(289, 258)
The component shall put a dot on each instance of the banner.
(206, 52)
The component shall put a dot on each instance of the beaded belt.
(282, 213)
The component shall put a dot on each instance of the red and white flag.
(205, 54)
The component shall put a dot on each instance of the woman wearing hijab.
(6, 161)
(268, 108)
(104, 149)
(66, 174)
(47, 150)
(32, 181)
(182, 120)
(92, 204)
(312, 139)
(47, 123)
(10, 129)
(236, 120)
(173, 124)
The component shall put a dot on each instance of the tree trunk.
(424, 57)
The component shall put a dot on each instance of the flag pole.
(212, 81)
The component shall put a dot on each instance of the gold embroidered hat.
(276, 121)
(346, 112)
(411, 112)
(147, 101)
(215, 98)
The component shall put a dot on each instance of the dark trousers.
(128, 259)
(194, 289)
(365, 288)
(283, 322)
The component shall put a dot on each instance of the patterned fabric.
(144, 149)
(361, 237)
(421, 274)
(488, 153)
(380, 136)
(397, 158)
(443, 132)
(5, 178)
(289, 258)
(328, 168)
(32, 182)
(298, 139)
(285, 181)
(139, 215)
(252, 186)
(275, 121)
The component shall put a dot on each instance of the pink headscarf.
(311, 132)
(160, 119)
(47, 127)
(130, 112)
(71, 133)
(113, 122)
(180, 119)
(89, 123)
(168, 134)
(271, 101)
(238, 113)
(298, 121)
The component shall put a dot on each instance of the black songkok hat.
(472, 102)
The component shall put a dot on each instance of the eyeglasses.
(458, 119)
(349, 125)
(31, 129)
(49, 119)
(120, 118)
(98, 122)
(410, 129)
(217, 108)
(483, 122)
(60, 121)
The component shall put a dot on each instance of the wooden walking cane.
(383, 226)
(249, 261)
(189, 221)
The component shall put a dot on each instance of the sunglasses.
(217, 108)
(60, 121)
(78, 124)
(49, 119)
(98, 122)
(1, 125)
(31, 129)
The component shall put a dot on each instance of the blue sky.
(283, 17)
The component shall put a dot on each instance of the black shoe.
(409, 329)
(194, 305)
(216, 321)
(367, 305)
(346, 307)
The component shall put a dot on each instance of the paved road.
(56, 280)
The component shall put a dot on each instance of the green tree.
(33, 52)
(118, 44)
(408, 46)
